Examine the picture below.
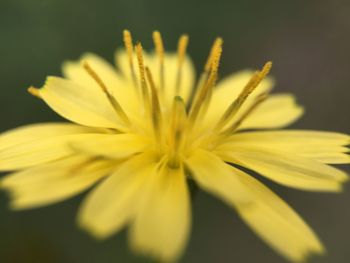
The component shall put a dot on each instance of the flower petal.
(122, 90)
(276, 223)
(286, 168)
(114, 202)
(162, 224)
(115, 146)
(269, 216)
(37, 144)
(170, 73)
(34, 132)
(325, 147)
(51, 183)
(216, 177)
(85, 105)
(277, 111)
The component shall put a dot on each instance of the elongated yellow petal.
(170, 73)
(216, 177)
(286, 168)
(35, 132)
(81, 104)
(162, 224)
(54, 182)
(325, 147)
(276, 223)
(277, 111)
(114, 202)
(117, 86)
(272, 219)
(114, 146)
(36, 152)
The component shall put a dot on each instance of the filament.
(111, 98)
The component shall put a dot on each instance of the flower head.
(143, 129)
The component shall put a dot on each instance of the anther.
(34, 91)
(129, 49)
(158, 43)
(144, 88)
(181, 53)
(204, 75)
(204, 93)
(242, 97)
(217, 43)
(111, 98)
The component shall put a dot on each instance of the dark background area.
(308, 41)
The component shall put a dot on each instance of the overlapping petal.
(113, 146)
(115, 201)
(216, 177)
(325, 147)
(286, 168)
(269, 216)
(37, 144)
(162, 223)
(277, 223)
(54, 182)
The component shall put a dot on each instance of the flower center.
(173, 128)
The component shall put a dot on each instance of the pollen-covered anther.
(207, 67)
(203, 95)
(111, 98)
(129, 50)
(144, 88)
(217, 43)
(158, 43)
(235, 106)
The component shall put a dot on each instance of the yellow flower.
(144, 128)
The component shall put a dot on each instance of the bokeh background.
(308, 41)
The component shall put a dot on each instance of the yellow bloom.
(144, 128)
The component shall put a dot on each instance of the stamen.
(204, 75)
(34, 91)
(217, 43)
(156, 113)
(261, 98)
(144, 88)
(181, 53)
(204, 93)
(111, 98)
(158, 43)
(129, 49)
(239, 101)
(178, 124)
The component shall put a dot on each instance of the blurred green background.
(308, 41)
